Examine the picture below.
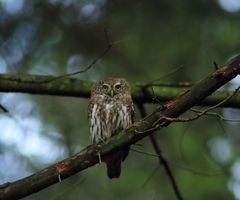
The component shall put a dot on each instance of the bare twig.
(215, 115)
(188, 169)
(150, 176)
(177, 84)
(4, 109)
(201, 113)
(107, 49)
(162, 160)
(216, 67)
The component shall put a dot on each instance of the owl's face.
(111, 87)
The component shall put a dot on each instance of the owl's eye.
(118, 86)
(105, 87)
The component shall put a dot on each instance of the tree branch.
(89, 155)
(50, 85)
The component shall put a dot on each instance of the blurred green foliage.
(150, 38)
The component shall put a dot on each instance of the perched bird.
(110, 110)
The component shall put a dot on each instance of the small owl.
(110, 110)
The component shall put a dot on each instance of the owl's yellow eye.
(118, 86)
(105, 87)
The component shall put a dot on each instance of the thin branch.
(177, 84)
(216, 67)
(188, 169)
(151, 175)
(203, 112)
(107, 49)
(162, 160)
(89, 156)
(216, 115)
(4, 109)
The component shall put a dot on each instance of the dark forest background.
(150, 39)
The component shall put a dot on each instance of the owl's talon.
(99, 158)
(59, 178)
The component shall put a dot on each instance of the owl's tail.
(114, 165)
(113, 168)
(114, 162)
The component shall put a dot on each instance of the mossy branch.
(50, 85)
(89, 155)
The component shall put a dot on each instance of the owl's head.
(111, 87)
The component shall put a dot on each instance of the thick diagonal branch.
(89, 155)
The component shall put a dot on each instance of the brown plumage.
(110, 110)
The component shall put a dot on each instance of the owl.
(110, 110)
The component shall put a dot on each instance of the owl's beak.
(112, 93)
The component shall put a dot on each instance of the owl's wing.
(132, 113)
(93, 101)
(92, 109)
(130, 108)
(127, 100)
